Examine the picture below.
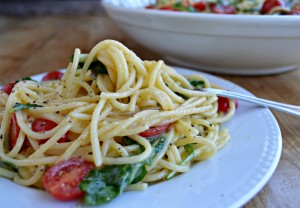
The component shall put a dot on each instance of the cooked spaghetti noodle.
(98, 109)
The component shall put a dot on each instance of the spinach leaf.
(19, 106)
(140, 174)
(198, 84)
(8, 165)
(157, 146)
(189, 148)
(103, 185)
(128, 141)
(96, 67)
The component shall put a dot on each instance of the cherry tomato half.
(268, 5)
(14, 131)
(223, 104)
(40, 125)
(219, 9)
(200, 6)
(62, 180)
(150, 7)
(54, 75)
(8, 88)
(154, 131)
(168, 8)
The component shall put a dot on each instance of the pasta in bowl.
(111, 122)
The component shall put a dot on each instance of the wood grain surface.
(32, 45)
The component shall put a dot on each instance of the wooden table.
(32, 45)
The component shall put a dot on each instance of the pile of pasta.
(121, 97)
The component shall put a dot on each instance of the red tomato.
(268, 5)
(223, 104)
(14, 131)
(62, 180)
(149, 7)
(53, 76)
(219, 9)
(169, 8)
(8, 88)
(200, 6)
(154, 131)
(40, 125)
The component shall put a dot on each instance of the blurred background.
(49, 7)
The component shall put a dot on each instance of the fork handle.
(286, 108)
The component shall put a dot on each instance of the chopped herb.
(19, 106)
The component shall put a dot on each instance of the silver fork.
(286, 108)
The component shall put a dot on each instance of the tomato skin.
(223, 104)
(200, 6)
(150, 7)
(54, 75)
(61, 181)
(14, 131)
(268, 5)
(219, 9)
(8, 87)
(41, 125)
(168, 8)
(154, 131)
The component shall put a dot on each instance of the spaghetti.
(112, 115)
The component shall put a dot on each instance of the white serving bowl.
(227, 44)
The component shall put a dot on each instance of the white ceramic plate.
(228, 44)
(229, 179)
